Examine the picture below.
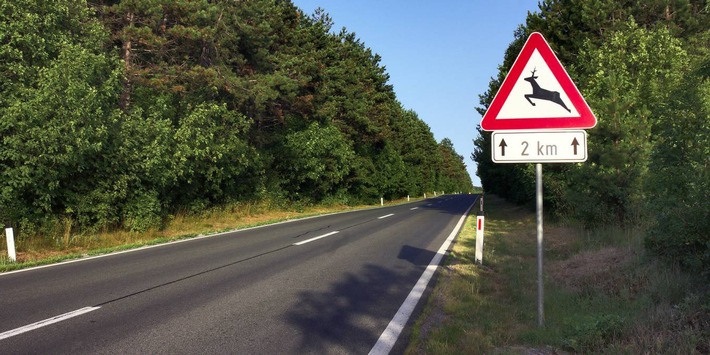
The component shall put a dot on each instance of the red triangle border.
(490, 121)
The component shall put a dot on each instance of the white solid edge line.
(385, 216)
(316, 238)
(46, 322)
(389, 336)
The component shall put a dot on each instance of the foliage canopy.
(118, 114)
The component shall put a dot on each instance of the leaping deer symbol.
(542, 94)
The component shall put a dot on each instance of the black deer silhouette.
(542, 94)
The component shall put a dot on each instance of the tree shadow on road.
(416, 256)
(349, 317)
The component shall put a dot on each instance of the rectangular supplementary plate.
(553, 146)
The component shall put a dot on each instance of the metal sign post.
(538, 204)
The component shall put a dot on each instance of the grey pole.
(538, 202)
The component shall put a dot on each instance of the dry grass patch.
(595, 270)
(561, 241)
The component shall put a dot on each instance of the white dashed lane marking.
(316, 238)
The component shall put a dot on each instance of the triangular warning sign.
(537, 93)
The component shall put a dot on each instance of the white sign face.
(559, 146)
(522, 102)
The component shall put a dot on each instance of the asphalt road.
(323, 285)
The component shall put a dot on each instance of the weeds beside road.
(602, 294)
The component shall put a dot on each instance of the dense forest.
(644, 69)
(115, 114)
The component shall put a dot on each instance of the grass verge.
(602, 294)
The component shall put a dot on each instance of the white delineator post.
(382, 201)
(479, 238)
(10, 244)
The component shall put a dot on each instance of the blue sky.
(440, 55)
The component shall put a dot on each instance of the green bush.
(679, 178)
(593, 333)
(142, 212)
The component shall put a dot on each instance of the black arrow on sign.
(502, 146)
(575, 144)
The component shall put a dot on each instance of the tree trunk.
(126, 53)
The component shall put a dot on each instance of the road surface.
(324, 285)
